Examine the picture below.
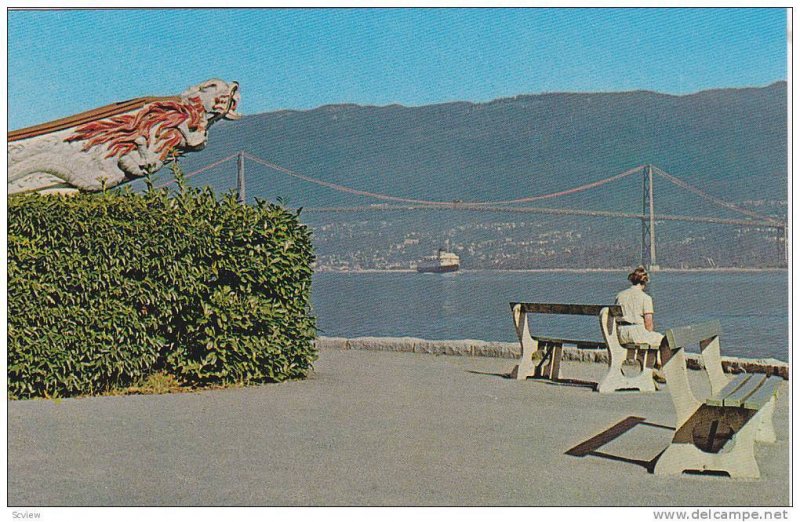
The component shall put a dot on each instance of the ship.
(442, 262)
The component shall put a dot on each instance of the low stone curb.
(477, 348)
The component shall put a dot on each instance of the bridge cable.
(386, 197)
(477, 205)
(199, 171)
(554, 211)
(709, 197)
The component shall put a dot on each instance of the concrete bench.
(717, 434)
(639, 358)
(551, 348)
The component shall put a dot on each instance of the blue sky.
(63, 62)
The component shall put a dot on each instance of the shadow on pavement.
(573, 382)
(592, 445)
(555, 382)
(503, 375)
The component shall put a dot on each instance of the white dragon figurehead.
(220, 99)
(117, 143)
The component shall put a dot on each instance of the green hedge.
(106, 289)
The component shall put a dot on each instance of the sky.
(64, 62)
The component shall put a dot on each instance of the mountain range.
(731, 143)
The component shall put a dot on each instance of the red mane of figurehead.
(120, 132)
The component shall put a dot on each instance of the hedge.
(107, 289)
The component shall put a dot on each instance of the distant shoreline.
(536, 270)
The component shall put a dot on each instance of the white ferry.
(442, 262)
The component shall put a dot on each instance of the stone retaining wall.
(476, 348)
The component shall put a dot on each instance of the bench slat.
(738, 397)
(599, 345)
(731, 387)
(639, 346)
(683, 336)
(567, 309)
(757, 400)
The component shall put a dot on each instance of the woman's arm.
(648, 322)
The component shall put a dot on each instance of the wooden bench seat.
(719, 433)
(582, 344)
(747, 390)
(551, 348)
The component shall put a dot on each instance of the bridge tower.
(240, 184)
(648, 258)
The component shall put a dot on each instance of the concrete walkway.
(369, 428)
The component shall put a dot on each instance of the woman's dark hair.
(639, 276)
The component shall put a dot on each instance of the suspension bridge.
(647, 216)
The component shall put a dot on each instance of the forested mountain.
(728, 142)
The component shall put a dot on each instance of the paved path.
(368, 429)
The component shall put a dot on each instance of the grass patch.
(155, 384)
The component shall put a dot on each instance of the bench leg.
(555, 362)
(765, 431)
(550, 365)
(737, 458)
(616, 380)
(525, 367)
(651, 359)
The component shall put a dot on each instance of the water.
(751, 306)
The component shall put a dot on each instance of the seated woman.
(636, 324)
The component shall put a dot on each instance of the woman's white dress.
(635, 304)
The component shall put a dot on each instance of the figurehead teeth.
(233, 102)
